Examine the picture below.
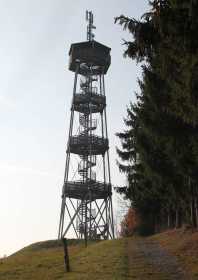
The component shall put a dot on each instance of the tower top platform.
(92, 56)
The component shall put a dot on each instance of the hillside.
(44, 260)
(166, 256)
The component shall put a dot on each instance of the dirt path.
(147, 260)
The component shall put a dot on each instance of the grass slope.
(44, 260)
(130, 258)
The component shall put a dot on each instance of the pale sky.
(35, 97)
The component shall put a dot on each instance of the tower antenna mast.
(90, 26)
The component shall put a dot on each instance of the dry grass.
(106, 260)
(44, 261)
(183, 244)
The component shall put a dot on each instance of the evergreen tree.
(160, 144)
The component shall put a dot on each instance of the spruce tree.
(159, 146)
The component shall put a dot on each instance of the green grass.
(43, 261)
(104, 260)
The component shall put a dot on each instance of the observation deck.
(79, 189)
(94, 58)
(89, 102)
(83, 145)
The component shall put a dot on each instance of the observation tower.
(86, 208)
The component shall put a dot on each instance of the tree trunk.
(168, 219)
(192, 213)
(196, 213)
(176, 218)
(192, 206)
(156, 224)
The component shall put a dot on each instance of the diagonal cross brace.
(74, 216)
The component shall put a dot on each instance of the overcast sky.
(35, 97)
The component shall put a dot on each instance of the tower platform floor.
(81, 144)
(79, 189)
(85, 103)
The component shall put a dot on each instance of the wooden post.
(66, 255)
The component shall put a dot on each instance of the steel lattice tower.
(87, 201)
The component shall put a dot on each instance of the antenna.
(90, 26)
